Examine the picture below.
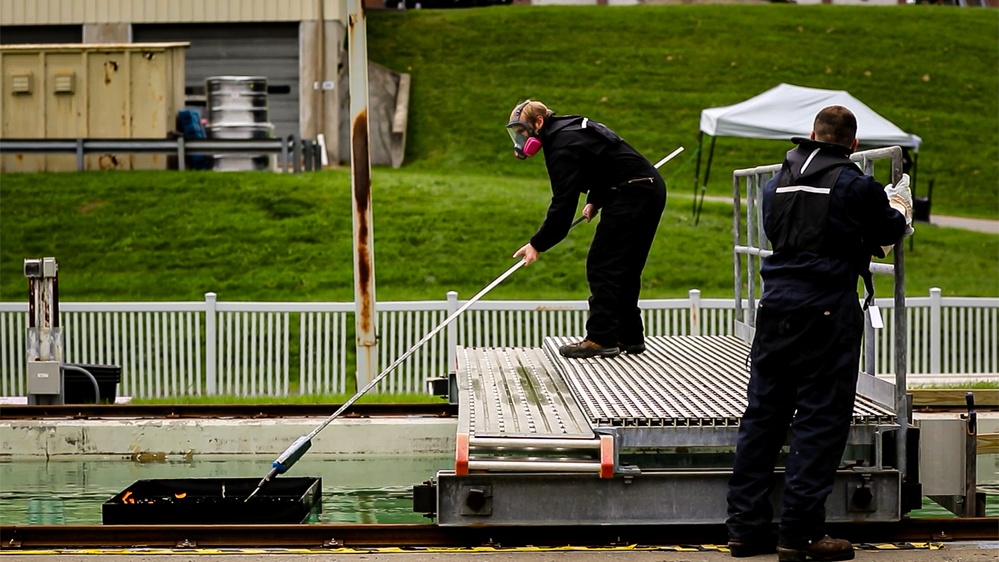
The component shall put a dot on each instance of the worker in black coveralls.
(583, 156)
(825, 219)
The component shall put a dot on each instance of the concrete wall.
(178, 438)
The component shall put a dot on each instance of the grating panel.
(515, 392)
(680, 381)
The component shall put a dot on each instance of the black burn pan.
(213, 501)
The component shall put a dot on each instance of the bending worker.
(825, 219)
(583, 156)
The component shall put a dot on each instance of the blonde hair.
(529, 110)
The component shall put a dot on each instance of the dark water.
(355, 490)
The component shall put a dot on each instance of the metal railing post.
(296, 154)
(903, 409)
(971, 459)
(307, 154)
(870, 353)
(181, 154)
(736, 234)
(211, 341)
(79, 155)
(936, 302)
(284, 155)
(452, 331)
(695, 312)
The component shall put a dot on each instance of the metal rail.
(215, 411)
(290, 149)
(26, 537)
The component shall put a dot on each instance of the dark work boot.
(586, 349)
(761, 543)
(822, 550)
(633, 349)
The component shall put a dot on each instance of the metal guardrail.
(292, 152)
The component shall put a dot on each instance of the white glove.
(900, 199)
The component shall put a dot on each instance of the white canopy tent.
(787, 111)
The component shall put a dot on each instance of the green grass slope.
(453, 215)
(648, 71)
(135, 236)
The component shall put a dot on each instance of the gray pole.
(901, 338)
(360, 183)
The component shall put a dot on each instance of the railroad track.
(32, 537)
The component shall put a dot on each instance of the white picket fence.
(252, 348)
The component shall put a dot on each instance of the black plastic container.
(214, 501)
(80, 390)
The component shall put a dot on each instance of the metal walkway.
(515, 413)
(516, 392)
(659, 429)
(530, 404)
(680, 381)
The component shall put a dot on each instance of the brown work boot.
(821, 550)
(586, 349)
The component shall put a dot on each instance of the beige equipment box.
(95, 91)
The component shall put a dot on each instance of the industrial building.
(297, 45)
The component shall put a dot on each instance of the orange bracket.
(606, 456)
(461, 455)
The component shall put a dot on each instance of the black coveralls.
(806, 351)
(583, 156)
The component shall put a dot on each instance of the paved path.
(987, 226)
(978, 225)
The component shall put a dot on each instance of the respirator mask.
(525, 141)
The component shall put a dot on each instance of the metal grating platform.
(515, 392)
(680, 381)
(656, 399)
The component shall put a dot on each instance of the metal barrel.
(238, 109)
(237, 99)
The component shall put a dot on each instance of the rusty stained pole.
(360, 183)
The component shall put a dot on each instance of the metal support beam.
(649, 498)
(360, 183)
(902, 409)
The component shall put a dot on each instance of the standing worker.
(583, 156)
(825, 219)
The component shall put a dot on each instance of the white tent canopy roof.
(787, 111)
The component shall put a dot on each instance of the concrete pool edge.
(187, 437)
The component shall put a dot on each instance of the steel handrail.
(283, 146)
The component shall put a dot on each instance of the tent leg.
(697, 172)
(704, 186)
(920, 205)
